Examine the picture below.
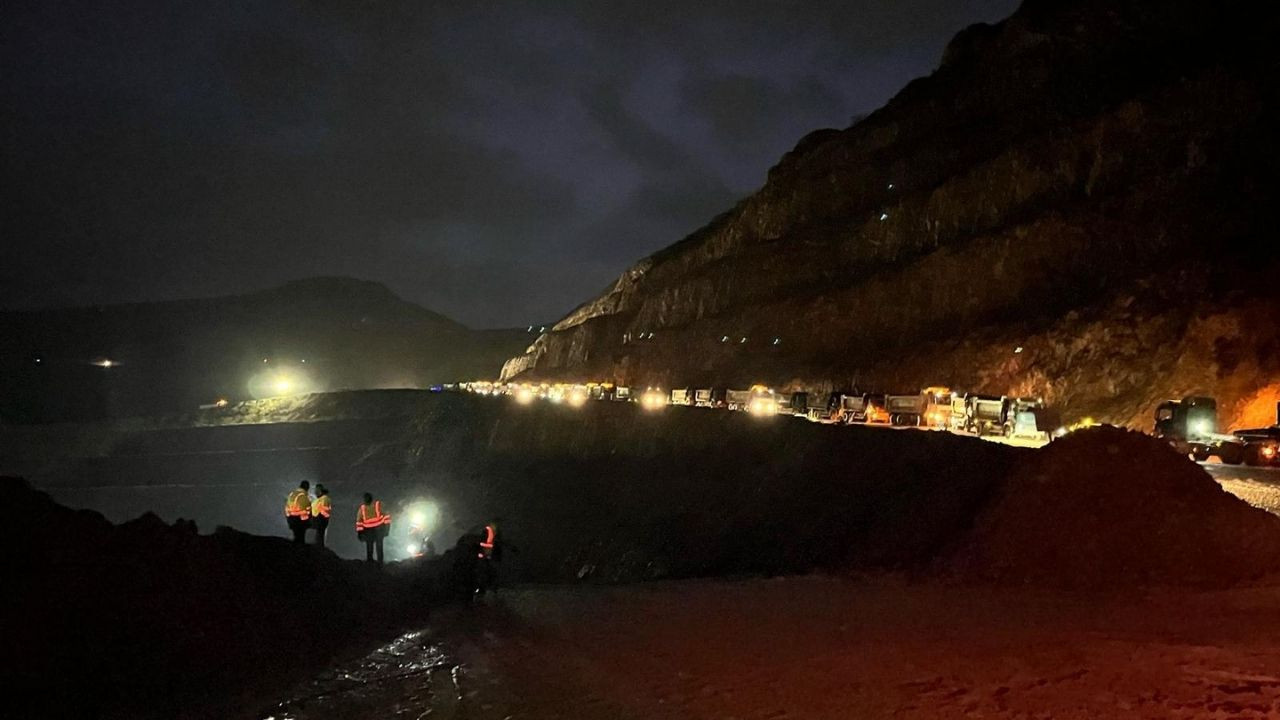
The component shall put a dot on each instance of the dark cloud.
(497, 162)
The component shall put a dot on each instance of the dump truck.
(937, 407)
(823, 407)
(682, 396)
(984, 414)
(1027, 418)
(759, 400)
(1190, 425)
(864, 408)
(905, 409)
(709, 397)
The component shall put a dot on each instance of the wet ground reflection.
(412, 676)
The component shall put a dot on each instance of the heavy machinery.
(653, 399)
(937, 407)
(823, 407)
(864, 408)
(681, 396)
(1190, 425)
(709, 397)
(759, 400)
(737, 399)
(1027, 418)
(1262, 445)
(984, 414)
(956, 417)
(905, 409)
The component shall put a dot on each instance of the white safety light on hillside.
(1017, 350)
(279, 382)
(884, 216)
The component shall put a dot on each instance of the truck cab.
(1190, 425)
(1026, 418)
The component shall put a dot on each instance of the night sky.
(497, 162)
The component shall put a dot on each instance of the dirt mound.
(146, 619)
(1108, 507)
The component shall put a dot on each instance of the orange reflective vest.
(321, 507)
(371, 516)
(490, 533)
(298, 505)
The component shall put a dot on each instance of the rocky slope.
(175, 356)
(149, 620)
(1087, 180)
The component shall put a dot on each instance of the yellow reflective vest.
(298, 505)
(321, 506)
(371, 516)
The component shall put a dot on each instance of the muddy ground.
(821, 647)
(974, 556)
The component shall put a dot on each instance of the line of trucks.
(1190, 425)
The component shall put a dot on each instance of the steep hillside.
(174, 356)
(1089, 181)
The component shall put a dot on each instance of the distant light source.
(105, 363)
(884, 216)
(1017, 350)
(776, 341)
(723, 339)
(283, 385)
(890, 186)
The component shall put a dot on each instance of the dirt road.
(823, 648)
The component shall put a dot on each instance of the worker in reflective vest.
(297, 511)
(488, 540)
(372, 525)
(321, 508)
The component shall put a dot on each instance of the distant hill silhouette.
(165, 356)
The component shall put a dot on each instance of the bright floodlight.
(282, 385)
(412, 548)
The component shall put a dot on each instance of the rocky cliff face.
(1088, 180)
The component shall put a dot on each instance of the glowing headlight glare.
(524, 396)
(417, 517)
(1201, 426)
(412, 548)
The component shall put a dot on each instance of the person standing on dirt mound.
(372, 526)
(297, 511)
(321, 508)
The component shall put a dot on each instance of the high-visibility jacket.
(486, 545)
(298, 505)
(371, 516)
(321, 506)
